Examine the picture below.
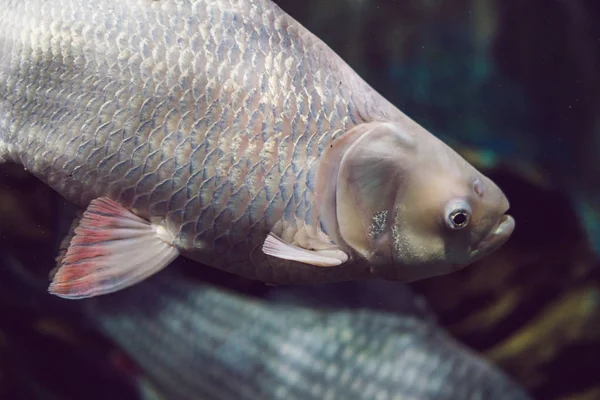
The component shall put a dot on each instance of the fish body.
(202, 342)
(226, 132)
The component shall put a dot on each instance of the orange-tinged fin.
(112, 249)
(276, 247)
(64, 244)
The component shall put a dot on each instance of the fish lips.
(496, 238)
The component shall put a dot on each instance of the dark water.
(514, 86)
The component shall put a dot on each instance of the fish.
(192, 340)
(182, 338)
(225, 132)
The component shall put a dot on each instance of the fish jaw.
(495, 239)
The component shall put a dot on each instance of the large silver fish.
(197, 342)
(224, 131)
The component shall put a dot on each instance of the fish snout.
(496, 204)
(499, 234)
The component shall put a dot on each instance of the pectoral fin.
(111, 249)
(276, 247)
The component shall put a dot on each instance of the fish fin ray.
(111, 249)
(276, 247)
(64, 244)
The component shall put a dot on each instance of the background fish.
(192, 340)
(206, 343)
(226, 132)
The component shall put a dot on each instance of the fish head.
(446, 215)
(410, 205)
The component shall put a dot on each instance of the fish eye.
(458, 216)
(459, 219)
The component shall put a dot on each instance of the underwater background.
(514, 86)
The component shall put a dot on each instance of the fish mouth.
(497, 237)
(505, 227)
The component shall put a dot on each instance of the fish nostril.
(478, 187)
